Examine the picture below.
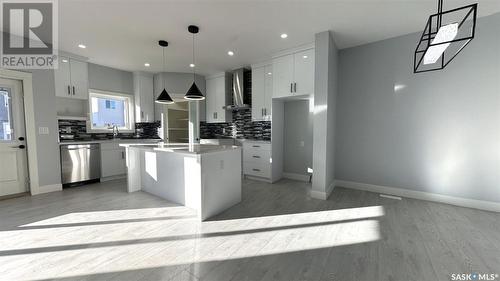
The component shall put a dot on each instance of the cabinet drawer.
(247, 146)
(257, 169)
(257, 155)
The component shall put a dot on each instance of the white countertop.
(183, 147)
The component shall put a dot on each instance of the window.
(110, 109)
(5, 115)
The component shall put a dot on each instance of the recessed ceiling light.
(230, 53)
(269, 73)
(192, 65)
(147, 64)
(284, 35)
(82, 46)
(304, 57)
(64, 60)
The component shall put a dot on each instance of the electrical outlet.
(43, 130)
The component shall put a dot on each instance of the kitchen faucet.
(114, 127)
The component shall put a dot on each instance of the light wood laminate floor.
(100, 232)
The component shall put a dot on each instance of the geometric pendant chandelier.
(445, 35)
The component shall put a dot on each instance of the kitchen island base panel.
(207, 182)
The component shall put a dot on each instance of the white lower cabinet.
(257, 160)
(112, 160)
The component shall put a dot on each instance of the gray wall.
(49, 169)
(325, 95)
(110, 79)
(435, 132)
(298, 129)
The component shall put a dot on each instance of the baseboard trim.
(297, 177)
(434, 197)
(258, 178)
(49, 188)
(323, 195)
(111, 178)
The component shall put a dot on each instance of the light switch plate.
(43, 130)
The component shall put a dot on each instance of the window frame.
(129, 111)
(10, 115)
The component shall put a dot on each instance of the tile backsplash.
(77, 130)
(242, 127)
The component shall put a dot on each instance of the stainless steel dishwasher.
(80, 163)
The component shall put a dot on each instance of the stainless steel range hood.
(238, 91)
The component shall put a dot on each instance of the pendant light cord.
(163, 74)
(193, 61)
(440, 13)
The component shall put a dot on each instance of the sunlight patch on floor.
(50, 252)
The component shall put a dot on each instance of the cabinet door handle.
(256, 156)
(291, 87)
(123, 154)
(73, 90)
(265, 111)
(262, 112)
(256, 170)
(216, 115)
(294, 87)
(69, 90)
(255, 145)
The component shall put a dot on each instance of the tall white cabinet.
(144, 97)
(293, 74)
(218, 95)
(72, 79)
(262, 91)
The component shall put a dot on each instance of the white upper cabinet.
(293, 74)
(218, 96)
(283, 76)
(143, 94)
(304, 73)
(262, 86)
(72, 79)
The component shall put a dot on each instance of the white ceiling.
(124, 33)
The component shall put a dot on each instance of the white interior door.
(13, 160)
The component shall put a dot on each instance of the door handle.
(73, 90)
(69, 90)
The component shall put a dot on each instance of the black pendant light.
(194, 92)
(164, 97)
(445, 35)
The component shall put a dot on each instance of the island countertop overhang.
(182, 148)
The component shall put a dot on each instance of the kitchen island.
(206, 178)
